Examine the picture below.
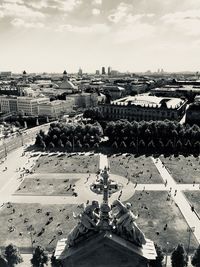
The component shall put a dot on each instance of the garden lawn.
(183, 169)
(137, 169)
(154, 213)
(68, 164)
(36, 215)
(47, 187)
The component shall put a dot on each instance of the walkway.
(10, 174)
(179, 199)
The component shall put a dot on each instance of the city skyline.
(53, 35)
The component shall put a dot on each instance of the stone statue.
(124, 223)
(89, 219)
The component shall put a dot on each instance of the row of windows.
(137, 112)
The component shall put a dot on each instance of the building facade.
(85, 100)
(29, 106)
(144, 108)
(114, 91)
(56, 108)
(8, 104)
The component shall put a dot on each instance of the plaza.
(52, 191)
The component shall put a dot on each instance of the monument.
(106, 236)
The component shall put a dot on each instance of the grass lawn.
(37, 217)
(67, 164)
(48, 187)
(140, 169)
(154, 213)
(183, 169)
(193, 197)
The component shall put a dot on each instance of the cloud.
(21, 23)
(67, 5)
(1, 14)
(15, 10)
(186, 22)
(96, 11)
(95, 28)
(14, 1)
(38, 4)
(119, 13)
(97, 2)
(133, 18)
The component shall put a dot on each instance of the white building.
(29, 106)
(8, 104)
(56, 108)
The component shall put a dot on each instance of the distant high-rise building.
(97, 72)
(109, 71)
(80, 72)
(103, 71)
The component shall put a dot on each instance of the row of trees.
(11, 257)
(136, 137)
(154, 136)
(179, 257)
(70, 137)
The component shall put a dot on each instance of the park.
(58, 183)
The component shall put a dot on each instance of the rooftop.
(146, 100)
(177, 88)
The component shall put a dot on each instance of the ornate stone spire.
(104, 223)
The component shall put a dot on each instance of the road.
(27, 136)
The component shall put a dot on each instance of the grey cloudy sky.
(134, 35)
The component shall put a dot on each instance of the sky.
(128, 35)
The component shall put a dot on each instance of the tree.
(133, 145)
(114, 145)
(86, 145)
(160, 145)
(142, 144)
(179, 145)
(123, 145)
(96, 145)
(40, 257)
(42, 133)
(169, 145)
(54, 261)
(51, 145)
(195, 260)
(151, 145)
(188, 145)
(158, 262)
(197, 146)
(179, 257)
(43, 145)
(68, 145)
(3, 261)
(12, 255)
(60, 144)
(38, 140)
(78, 144)
(55, 139)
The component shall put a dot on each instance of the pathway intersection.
(10, 180)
